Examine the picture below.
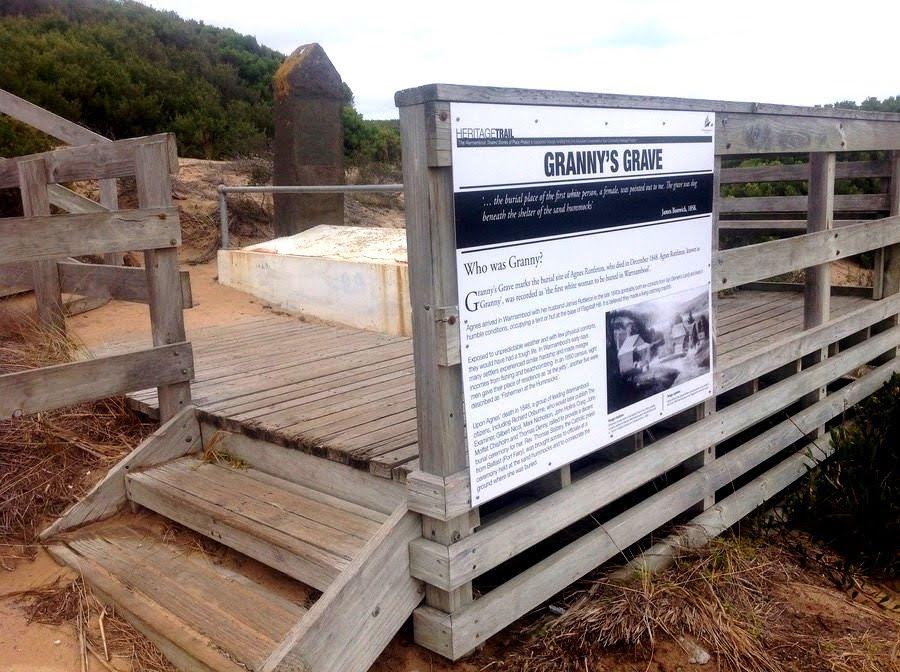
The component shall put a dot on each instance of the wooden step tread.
(221, 618)
(309, 535)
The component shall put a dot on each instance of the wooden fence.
(40, 239)
(762, 431)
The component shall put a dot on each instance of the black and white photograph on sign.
(656, 345)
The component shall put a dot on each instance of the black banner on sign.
(513, 214)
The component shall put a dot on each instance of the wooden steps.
(309, 535)
(330, 548)
(202, 615)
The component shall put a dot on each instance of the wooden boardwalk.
(348, 395)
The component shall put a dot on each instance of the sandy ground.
(34, 647)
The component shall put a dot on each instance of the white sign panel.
(583, 262)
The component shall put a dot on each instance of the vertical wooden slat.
(817, 286)
(109, 199)
(36, 202)
(431, 245)
(708, 407)
(163, 281)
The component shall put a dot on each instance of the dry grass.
(107, 637)
(722, 596)
(49, 460)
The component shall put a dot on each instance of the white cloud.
(783, 51)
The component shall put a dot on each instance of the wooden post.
(817, 287)
(163, 279)
(886, 280)
(431, 245)
(109, 199)
(36, 202)
(708, 407)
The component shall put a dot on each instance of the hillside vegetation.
(124, 69)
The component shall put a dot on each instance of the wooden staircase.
(348, 562)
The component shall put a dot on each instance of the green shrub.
(852, 502)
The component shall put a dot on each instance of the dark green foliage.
(370, 141)
(852, 502)
(124, 69)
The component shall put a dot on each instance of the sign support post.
(440, 491)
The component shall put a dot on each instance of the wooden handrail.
(47, 122)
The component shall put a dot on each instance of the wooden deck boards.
(223, 619)
(348, 395)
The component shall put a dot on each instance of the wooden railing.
(72, 134)
(787, 382)
(41, 239)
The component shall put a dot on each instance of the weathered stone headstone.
(309, 140)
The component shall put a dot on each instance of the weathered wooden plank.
(800, 172)
(16, 278)
(154, 190)
(97, 161)
(775, 226)
(342, 481)
(505, 538)
(817, 279)
(266, 543)
(437, 124)
(182, 645)
(750, 363)
(109, 198)
(45, 279)
(68, 200)
(750, 263)
(52, 237)
(179, 436)
(515, 96)
(797, 287)
(845, 203)
(438, 496)
(46, 121)
(792, 133)
(124, 283)
(366, 605)
(62, 385)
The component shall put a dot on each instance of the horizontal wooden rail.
(740, 265)
(124, 283)
(56, 236)
(449, 567)
(749, 364)
(62, 385)
(799, 287)
(775, 226)
(90, 162)
(728, 511)
(482, 618)
(847, 203)
(800, 172)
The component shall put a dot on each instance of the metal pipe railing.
(292, 189)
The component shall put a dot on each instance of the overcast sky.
(782, 51)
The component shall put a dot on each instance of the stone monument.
(309, 140)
